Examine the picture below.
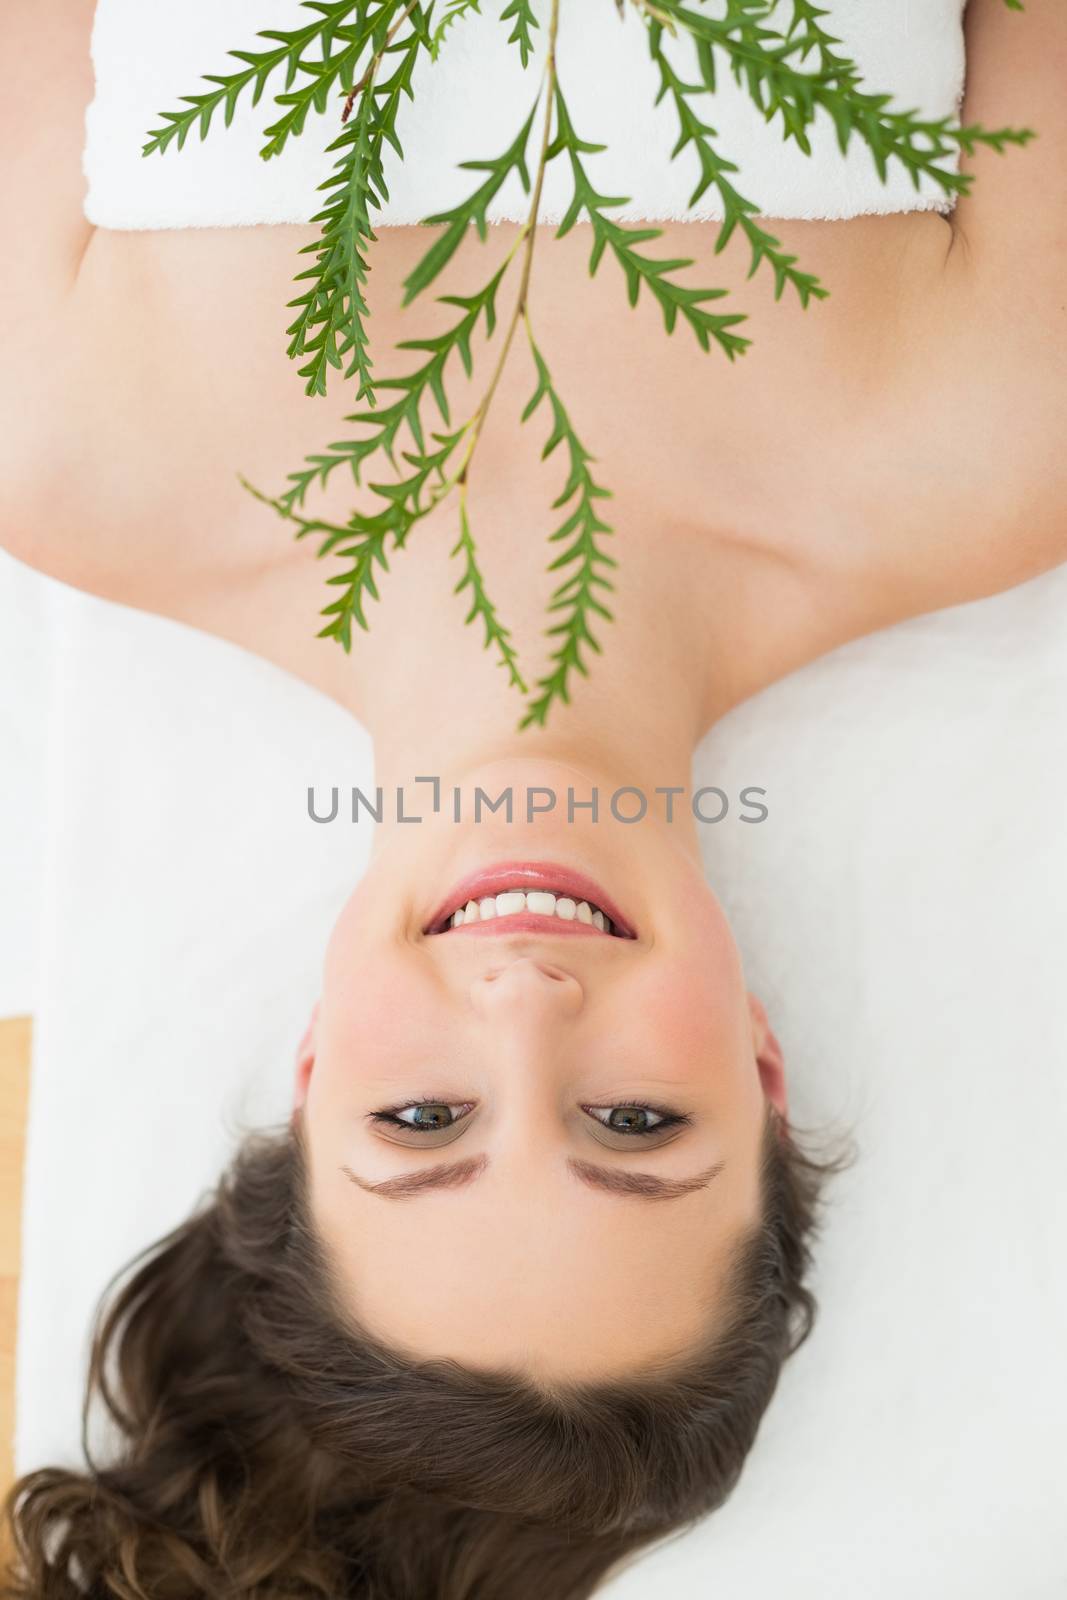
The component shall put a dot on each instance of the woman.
(373, 1365)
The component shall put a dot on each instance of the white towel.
(900, 912)
(470, 105)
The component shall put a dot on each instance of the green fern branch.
(335, 73)
(333, 312)
(413, 390)
(791, 76)
(760, 61)
(292, 51)
(361, 542)
(411, 498)
(496, 634)
(737, 210)
(455, 10)
(521, 13)
(471, 211)
(639, 270)
(576, 597)
(407, 499)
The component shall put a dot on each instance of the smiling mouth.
(530, 899)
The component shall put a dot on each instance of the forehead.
(542, 1275)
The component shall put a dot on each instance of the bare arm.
(47, 84)
(114, 477)
(1010, 232)
(977, 429)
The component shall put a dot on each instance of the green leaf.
(583, 557)
(470, 211)
(333, 311)
(496, 634)
(639, 270)
(521, 12)
(291, 50)
(455, 10)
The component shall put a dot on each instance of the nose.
(524, 987)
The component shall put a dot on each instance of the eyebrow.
(454, 1174)
(645, 1185)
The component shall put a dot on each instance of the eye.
(431, 1115)
(423, 1121)
(635, 1120)
(626, 1119)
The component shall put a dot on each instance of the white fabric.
(901, 914)
(25, 663)
(470, 106)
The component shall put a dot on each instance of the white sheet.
(901, 912)
(25, 664)
(470, 105)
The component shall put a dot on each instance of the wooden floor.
(15, 1039)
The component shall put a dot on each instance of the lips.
(529, 875)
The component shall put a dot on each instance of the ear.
(305, 1060)
(769, 1059)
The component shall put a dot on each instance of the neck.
(634, 722)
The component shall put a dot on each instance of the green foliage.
(481, 605)
(404, 417)
(651, 271)
(367, 52)
(737, 211)
(362, 543)
(779, 88)
(521, 13)
(293, 52)
(474, 209)
(576, 596)
(411, 495)
(333, 311)
(454, 10)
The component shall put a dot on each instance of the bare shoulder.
(174, 384)
(915, 416)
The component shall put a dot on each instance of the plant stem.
(526, 240)
(376, 59)
(647, 8)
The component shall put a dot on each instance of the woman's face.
(534, 1145)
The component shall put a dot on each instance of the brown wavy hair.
(263, 1447)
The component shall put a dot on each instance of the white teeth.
(540, 902)
(507, 905)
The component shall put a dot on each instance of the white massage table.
(901, 914)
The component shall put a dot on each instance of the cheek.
(365, 1006)
(700, 974)
(698, 1015)
(694, 1023)
(364, 1036)
(696, 910)
(356, 966)
(370, 985)
(695, 997)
